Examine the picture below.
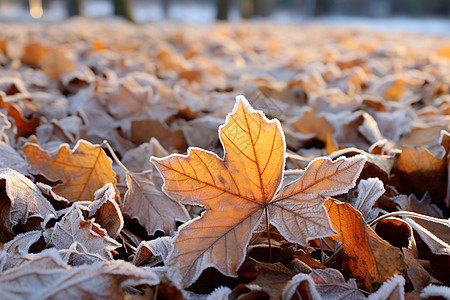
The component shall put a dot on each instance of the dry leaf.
(391, 289)
(47, 276)
(82, 171)
(21, 204)
(435, 292)
(301, 287)
(150, 206)
(240, 188)
(369, 191)
(57, 61)
(332, 285)
(368, 257)
(73, 228)
(106, 211)
(311, 123)
(24, 126)
(153, 252)
(418, 171)
(435, 235)
(11, 159)
(13, 253)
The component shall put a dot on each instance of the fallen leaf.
(152, 208)
(332, 285)
(301, 287)
(74, 228)
(21, 204)
(11, 159)
(47, 276)
(105, 210)
(434, 291)
(418, 171)
(367, 257)
(14, 251)
(435, 235)
(82, 171)
(239, 189)
(368, 192)
(25, 127)
(310, 122)
(153, 252)
(391, 289)
(57, 61)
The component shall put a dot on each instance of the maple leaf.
(367, 256)
(82, 171)
(241, 188)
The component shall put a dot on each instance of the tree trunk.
(222, 9)
(73, 7)
(124, 8)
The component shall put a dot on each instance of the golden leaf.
(241, 188)
(82, 171)
(368, 257)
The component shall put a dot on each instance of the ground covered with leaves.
(327, 179)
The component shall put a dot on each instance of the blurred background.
(429, 16)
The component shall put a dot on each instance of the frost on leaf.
(47, 276)
(82, 171)
(240, 188)
(368, 193)
(21, 204)
(106, 211)
(391, 289)
(13, 253)
(150, 206)
(88, 235)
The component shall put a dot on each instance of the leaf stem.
(113, 154)
(266, 211)
(412, 214)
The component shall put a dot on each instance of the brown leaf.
(417, 171)
(272, 278)
(57, 61)
(47, 276)
(301, 287)
(150, 206)
(391, 289)
(14, 251)
(106, 211)
(143, 130)
(82, 171)
(332, 285)
(21, 201)
(11, 159)
(153, 252)
(310, 122)
(25, 127)
(89, 236)
(368, 257)
(435, 235)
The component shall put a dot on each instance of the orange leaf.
(240, 188)
(82, 171)
(368, 257)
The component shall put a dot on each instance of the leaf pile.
(331, 181)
